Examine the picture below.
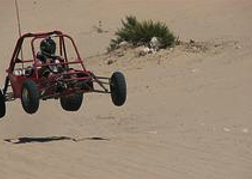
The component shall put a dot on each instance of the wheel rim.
(112, 87)
(25, 97)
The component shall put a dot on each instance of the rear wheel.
(118, 88)
(2, 105)
(71, 102)
(30, 97)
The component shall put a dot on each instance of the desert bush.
(138, 33)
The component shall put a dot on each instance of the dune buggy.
(68, 79)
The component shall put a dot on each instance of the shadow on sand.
(23, 140)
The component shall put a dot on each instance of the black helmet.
(48, 47)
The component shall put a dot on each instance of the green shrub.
(136, 33)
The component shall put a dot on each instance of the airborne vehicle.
(66, 79)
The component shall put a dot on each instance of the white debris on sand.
(225, 129)
(155, 44)
(245, 130)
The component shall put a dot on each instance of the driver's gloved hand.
(54, 68)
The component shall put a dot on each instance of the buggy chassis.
(68, 84)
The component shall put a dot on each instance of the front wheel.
(2, 105)
(118, 88)
(30, 97)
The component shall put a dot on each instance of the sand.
(188, 111)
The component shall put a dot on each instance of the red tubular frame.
(16, 86)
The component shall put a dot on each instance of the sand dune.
(188, 113)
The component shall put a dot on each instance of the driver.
(47, 55)
(47, 50)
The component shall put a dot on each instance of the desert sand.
(188, 112)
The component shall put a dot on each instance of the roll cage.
(35, 36)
